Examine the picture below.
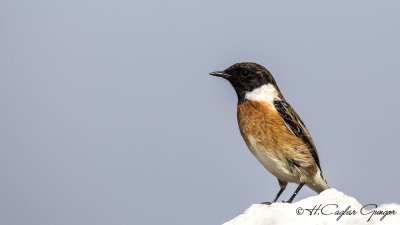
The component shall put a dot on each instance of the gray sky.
(108, 115)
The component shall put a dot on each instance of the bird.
(272, 130)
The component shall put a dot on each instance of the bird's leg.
(295, 192)
(282, 184)
(277, 195)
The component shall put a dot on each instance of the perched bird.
(272, 130)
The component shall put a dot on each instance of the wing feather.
(296, 126)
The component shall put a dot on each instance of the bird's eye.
(245, 73)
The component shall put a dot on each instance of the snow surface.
(335, 202)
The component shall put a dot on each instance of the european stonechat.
(272, 130)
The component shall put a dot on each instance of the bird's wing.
(294, 124)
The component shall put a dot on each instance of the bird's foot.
(286, 201)
(266, 203)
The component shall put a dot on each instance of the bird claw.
(286, 201)
(266, 203)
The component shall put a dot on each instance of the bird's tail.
(318, 183)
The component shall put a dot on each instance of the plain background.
(108, 115)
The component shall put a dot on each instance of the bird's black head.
(245, 77)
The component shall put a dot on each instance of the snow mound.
(329, 207)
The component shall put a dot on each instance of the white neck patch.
(266, 93)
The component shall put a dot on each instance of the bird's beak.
(220, 74)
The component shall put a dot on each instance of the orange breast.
(263, 123)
